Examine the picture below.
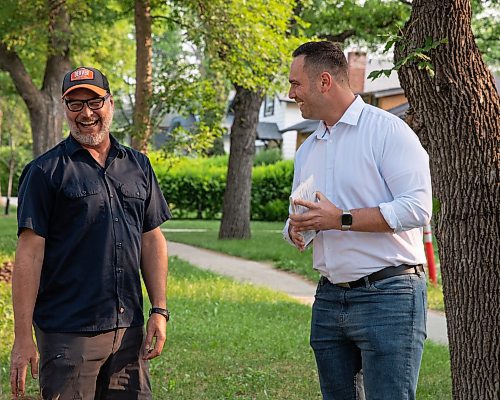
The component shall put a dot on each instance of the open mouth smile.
(88, 124)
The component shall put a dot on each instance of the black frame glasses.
(93, 104)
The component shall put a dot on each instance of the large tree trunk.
(235, 222)
(142, 129)
(44, 106)
(456, 115)
(46, 119)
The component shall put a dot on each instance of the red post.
(429, 254)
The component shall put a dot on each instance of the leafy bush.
(268, 156)
(271, 186)
(194, 187)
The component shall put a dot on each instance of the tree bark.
(235, 223)
(44, 105)
(456, 115)
(142, 128)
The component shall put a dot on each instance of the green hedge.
(195, 187)
(271, 186)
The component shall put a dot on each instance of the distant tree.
(248, 42)
(14, 126)
(142, 129)
(18, 39)
(455, 109)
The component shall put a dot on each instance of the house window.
(268, 106)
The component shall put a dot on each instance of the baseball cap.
(87, 78)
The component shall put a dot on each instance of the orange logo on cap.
(81, 74)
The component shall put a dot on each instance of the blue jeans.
(379, 328)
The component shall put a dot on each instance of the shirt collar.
(72, 146)
(350, 117)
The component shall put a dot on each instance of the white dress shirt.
(369, 158)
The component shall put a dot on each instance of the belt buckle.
(344, 285)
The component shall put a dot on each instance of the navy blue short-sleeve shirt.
(92, 219)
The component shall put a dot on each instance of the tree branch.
(340, 37)
(11, 63)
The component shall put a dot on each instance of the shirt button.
(121, 310)
(137, 193)
(119, 270)
(116, 219)
(119, 245)
(84, 192)
(111, 195)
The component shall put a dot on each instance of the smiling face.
(304, 90)
(89, 127)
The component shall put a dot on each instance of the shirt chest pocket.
(84, 203)
(134, 199)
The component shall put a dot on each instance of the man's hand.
(23, 353)
(296, 238)
(323, 215)
(155, 328)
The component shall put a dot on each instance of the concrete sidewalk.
(263, 274)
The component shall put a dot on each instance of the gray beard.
(88, 139)
(91, 140)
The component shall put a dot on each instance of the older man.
(89, 221)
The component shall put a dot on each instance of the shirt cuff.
(390, 217)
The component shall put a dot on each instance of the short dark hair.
(324, 55)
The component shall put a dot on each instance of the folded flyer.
(305, 191)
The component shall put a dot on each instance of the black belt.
(384, 273)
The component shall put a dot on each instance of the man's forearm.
(26, 281)
(155, 266)
(369, 220)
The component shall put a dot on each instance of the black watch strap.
(161, 311)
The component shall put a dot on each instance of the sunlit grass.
(228, 340)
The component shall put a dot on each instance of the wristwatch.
(162, 311)
(346, 220)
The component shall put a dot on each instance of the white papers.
(305, 191)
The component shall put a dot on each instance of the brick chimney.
(356, 61)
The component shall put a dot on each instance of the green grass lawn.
(228, 340)
(266, 244)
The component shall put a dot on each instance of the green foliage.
(195, 186)
(268, 156)
(418, 55)
(486, 29)
(23, 29)
(271, 185)
(353, 21)
(14, 119)
(21, 157)
(248, 42)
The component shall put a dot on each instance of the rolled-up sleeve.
(405, 167)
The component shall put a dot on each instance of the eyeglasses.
(93, 104)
